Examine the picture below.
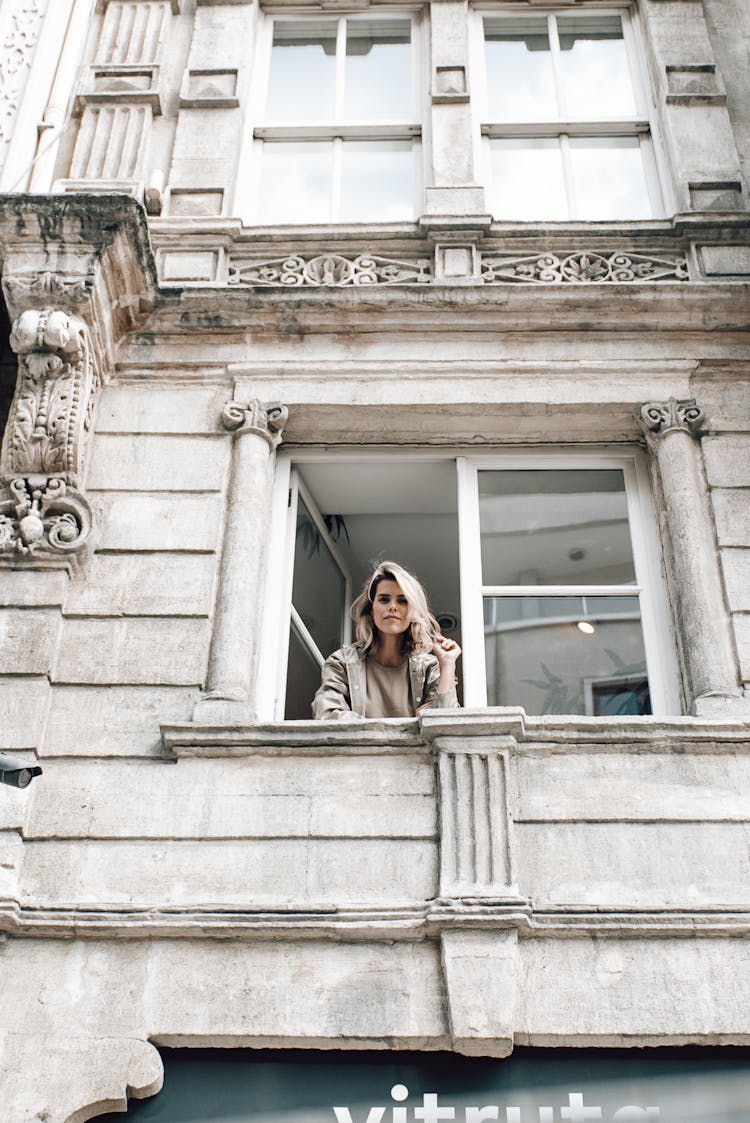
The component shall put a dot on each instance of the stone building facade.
(271, 311)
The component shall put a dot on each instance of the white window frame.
(639, 126)
(262, 131)
(650, 584)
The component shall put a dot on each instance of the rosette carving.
(49, 416)
(41, 514)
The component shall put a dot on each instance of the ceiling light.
(586, 627)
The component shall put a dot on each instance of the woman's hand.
(446, 651)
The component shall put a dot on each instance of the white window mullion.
(470, 562)
(338, 157)
(554, 46)
(570, 187)
(340, 67)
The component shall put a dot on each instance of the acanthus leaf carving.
(50, 413)
(42, 286)
(41, 514)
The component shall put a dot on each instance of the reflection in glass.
(594, 64)
(318, 587)
(527, 180)
(302, 680)
(568, 527)
(378, 80)
(377, 181)
(609, 178)
(296, 182)
(302, 76)
(538, 658)
(520, 81)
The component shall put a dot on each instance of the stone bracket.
(480, 971)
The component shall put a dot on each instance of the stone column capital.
(659, 418)
(265, 419)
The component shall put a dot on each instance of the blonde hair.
(423, 627)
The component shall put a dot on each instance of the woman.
(399, 665)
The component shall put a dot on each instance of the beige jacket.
(343, 687)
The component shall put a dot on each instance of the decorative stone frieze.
(703, 625)
(331, 270)
(20, 25)
(233, 657)
(582, 267)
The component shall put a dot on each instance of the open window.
(543, 566)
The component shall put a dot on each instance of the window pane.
(609, 178)
(539, 658)
(302, 680)
(318, 587)
(594, 63)
(527, 180)
(377, 181)
(302, 77)
(378, 80)
(542, 527)
(520, 81)
(296, 182)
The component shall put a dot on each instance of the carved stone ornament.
(581, 267)
(16, 53)
(658, 418)
(266, 420)
(330, 271)
(50, 413)
(39, 514)
(44, 286)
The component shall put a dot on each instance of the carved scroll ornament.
(42, 514)
(50, 412)
(264, 419)
(658, 418)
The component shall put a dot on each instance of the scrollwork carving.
(658, 418)
(265, 419)
(16, 54)
(41, 514)
(330, 270)
(581, 267)
(49, 416)
(35, 287)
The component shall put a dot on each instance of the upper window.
(338, 139)
(564, 118)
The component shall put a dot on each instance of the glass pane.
(609, 178)
(302, 680)
(318, 587)
(577, 655)
(296, 182)
(543, 527)
(596, 75)
(527, 180)
(302, 76)
(378, 80)
(520, 81)
(377, 181)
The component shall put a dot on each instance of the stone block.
(187, 202)
(626, 787)
(620, 992)
(24, 701)
(158, 462)
(11, 858)
(221, 36)
(741, 622)
(146, 649)
(725, 261)
(264, 873)
(160, 409)
(28, 640)
(727, 460)
(258, 797)
(723, 400)
(649, 865)
(37, 588)
(305, 993)
(204, 147)
(143, 585)
(107, 721)
(736, 566)
(732, 514)
(188, 265)
(480, 971)
(160, 522)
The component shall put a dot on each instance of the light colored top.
(388, 690)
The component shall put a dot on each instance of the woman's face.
(390, 608)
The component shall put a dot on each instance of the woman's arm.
(332, 701)
(440, 681)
